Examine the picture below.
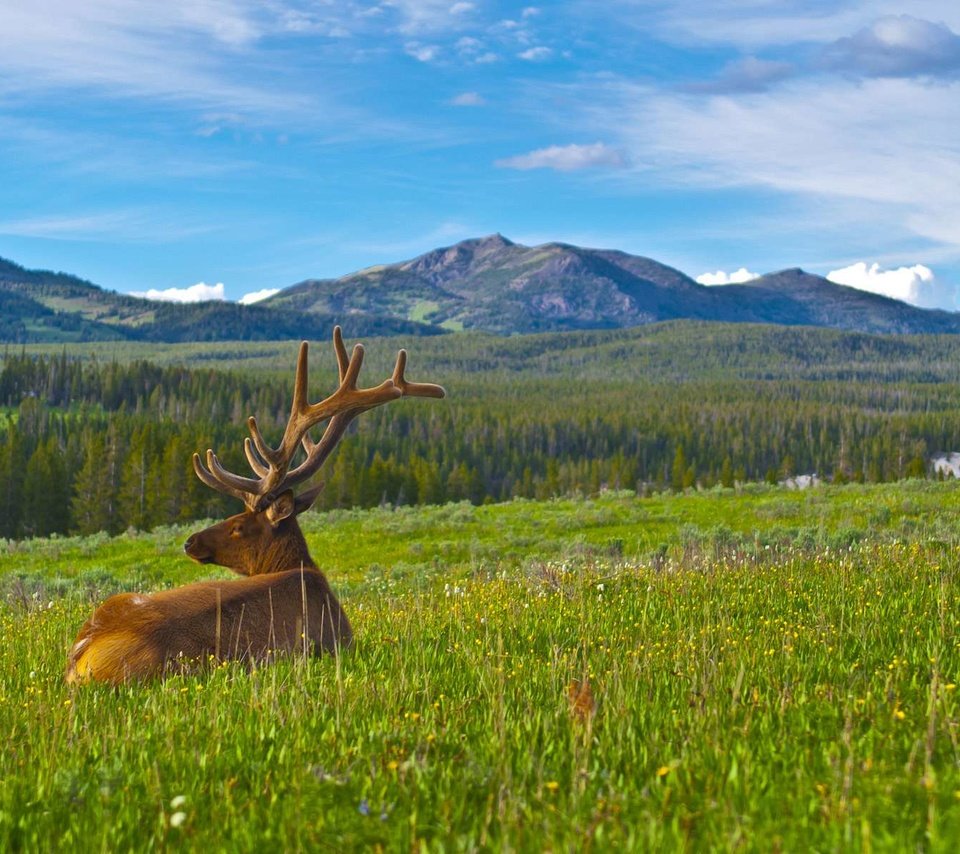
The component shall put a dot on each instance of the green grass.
(422, 309)
(769, 670)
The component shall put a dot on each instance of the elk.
(285, 603)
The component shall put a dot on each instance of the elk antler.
(272, 465)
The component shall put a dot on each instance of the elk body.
(285, 603)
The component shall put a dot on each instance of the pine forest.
(99, 440)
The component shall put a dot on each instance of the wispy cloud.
(854, 140)
(750, 25)
(134, 226)
(428, 16)
(175, 50)
(721, 278)
(566, 158)
(200, 292)
(422, 52)
(468, 99)
(70, 227)
(536, 54)
(473, 50)
(746, 75)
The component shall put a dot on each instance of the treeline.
(87, 446)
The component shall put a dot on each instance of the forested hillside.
(88, 445)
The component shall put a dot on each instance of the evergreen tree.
(91, 505)
(46, 495)
(678, 471)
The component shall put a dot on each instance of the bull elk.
(285, 603)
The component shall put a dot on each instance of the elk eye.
(237, 532)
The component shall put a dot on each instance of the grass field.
(755, 670)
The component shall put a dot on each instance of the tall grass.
(684, 672)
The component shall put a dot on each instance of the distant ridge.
(488, 284)
(495, 285)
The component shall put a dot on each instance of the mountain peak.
(491, 241)
(489, 284)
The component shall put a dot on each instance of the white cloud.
(471, 49)
(422, 52)
(468, 99)
(461, 8)
(536, 54)
(257, 296)
(737, 277)
(566, 158)
(426, 16)
(199, 292)
(897, 46)
(916, 284)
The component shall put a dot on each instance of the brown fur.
(134, 636)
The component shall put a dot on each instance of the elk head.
(265, 537)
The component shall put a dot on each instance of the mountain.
(38, 306)
(495, 285)
(488, 284)
(797, 298)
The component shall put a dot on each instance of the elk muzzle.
(197, 549)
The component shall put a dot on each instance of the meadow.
(752, 669)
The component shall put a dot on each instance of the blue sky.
(157, 145)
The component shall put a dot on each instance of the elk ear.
(305, 499)
(282, 507)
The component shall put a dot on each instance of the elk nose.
(189, 543)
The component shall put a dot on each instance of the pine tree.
(46, 495)
(726, 473)
(679, 469)
(91, 505)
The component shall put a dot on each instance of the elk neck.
(286, 549)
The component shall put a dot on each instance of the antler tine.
(317, 452)
(272, 465)
(413, 389)
(343, 360)
(253, 457)
(215, 483)
(242, 484)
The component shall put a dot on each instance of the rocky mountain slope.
(495, 285)
(488, 284)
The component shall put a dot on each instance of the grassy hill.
(40, 306)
